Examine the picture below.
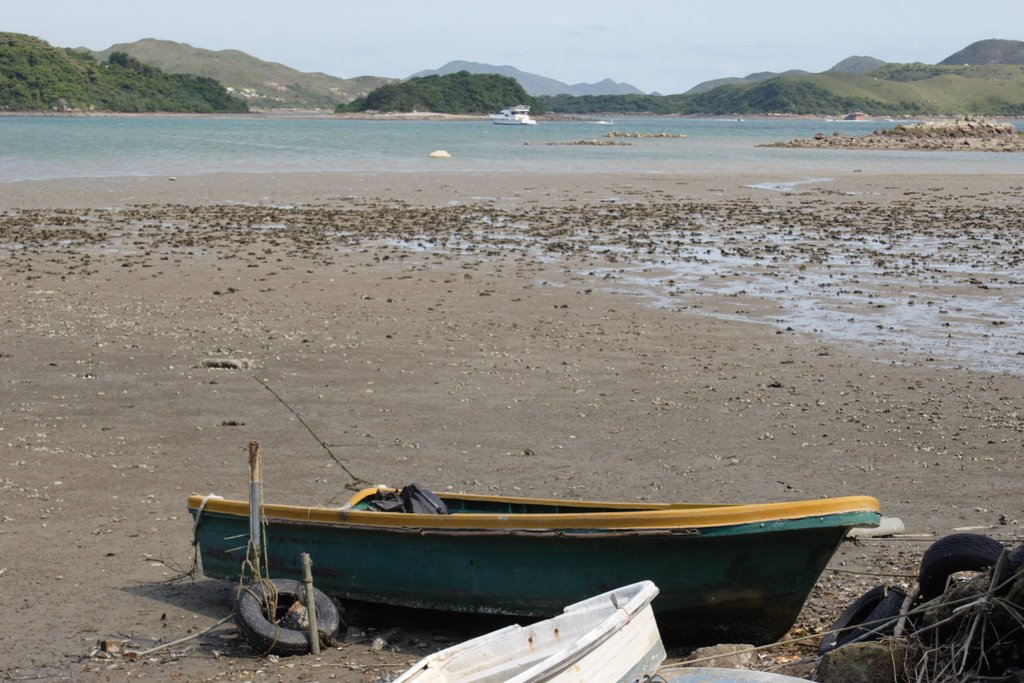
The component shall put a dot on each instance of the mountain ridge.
(855, 64)
(986, 77)
(262, 84)
(534, 84)
(990, 51)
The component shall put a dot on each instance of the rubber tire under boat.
(1015, 560)
(266, 637)
(955, 553)
(879, 603)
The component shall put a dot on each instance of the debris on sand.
(964, 621)
(227, 363)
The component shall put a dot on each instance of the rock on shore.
(969, 133)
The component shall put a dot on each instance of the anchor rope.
(355, 480)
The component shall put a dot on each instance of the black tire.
(265, 636)
(955, 553)
(1015, 560)
(882, 619)
(881, 602)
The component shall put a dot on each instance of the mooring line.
(354, 478)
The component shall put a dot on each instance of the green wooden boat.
(727, 573)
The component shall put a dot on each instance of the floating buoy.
(440, 154)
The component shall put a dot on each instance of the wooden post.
(307, 578)
(255, 503)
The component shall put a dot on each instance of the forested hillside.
(36, 76)
(458, 93)
(262, 84)
(891, 90)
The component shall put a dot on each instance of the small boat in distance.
(607, 638)
(725, 571)
(518, 115)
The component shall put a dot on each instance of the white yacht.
(518, 115)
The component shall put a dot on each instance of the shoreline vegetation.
(441, 116)
(35, 76)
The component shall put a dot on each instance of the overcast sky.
(666, 46)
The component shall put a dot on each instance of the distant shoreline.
(438, 116)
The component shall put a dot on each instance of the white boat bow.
(609, 638)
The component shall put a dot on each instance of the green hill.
(987, 78)
(854, 64)
(37, 76)
(534, 84)
(891, 90)
(264, 85)
(988, 52)
(758, 77)
(894, 89)
(458, 93)
(858, 65)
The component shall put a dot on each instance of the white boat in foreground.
(612, 637)
(518, 115)
(701, 674)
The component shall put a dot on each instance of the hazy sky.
(666, 46)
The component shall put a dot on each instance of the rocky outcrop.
(969, 134)
(645, 135)
(592, 143)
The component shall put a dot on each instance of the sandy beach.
(631, 337)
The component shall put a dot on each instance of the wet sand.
(649, 337)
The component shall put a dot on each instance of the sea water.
(48, 147)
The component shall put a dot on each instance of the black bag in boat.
(412, 498)
(386, 502)
(422, 501)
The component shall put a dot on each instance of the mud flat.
(654, 337)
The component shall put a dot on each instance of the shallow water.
(47, 147)
(941, 301)
(905, 318)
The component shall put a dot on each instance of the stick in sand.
(307, 578)
(255, 535)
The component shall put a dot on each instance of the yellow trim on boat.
(618, 516)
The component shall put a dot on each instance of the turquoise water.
(43, 147)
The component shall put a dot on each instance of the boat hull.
(514, 116)
(737, 582)
(608, 638)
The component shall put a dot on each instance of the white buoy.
(440, 154)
